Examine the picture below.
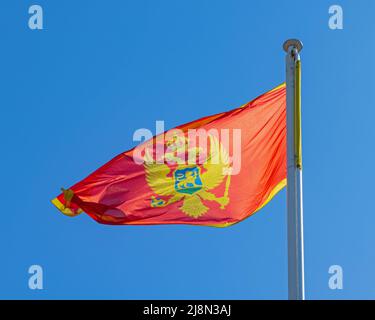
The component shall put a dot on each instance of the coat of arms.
(191, 184)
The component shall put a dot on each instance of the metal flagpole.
(296, 286)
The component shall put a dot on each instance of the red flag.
(214, 171)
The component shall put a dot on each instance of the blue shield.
(187, 180)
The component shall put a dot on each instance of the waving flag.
(235, 168)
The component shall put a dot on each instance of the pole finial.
(293, 42)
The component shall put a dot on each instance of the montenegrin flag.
(215, 171)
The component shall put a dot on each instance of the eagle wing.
(157, 178)
(216, 165)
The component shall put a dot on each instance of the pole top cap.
(294, 43)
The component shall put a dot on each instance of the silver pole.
(296, 285)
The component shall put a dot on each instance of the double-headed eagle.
(189, 183)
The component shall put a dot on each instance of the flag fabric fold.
(215, 171)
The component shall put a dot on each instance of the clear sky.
(73, 93)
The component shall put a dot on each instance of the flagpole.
(296, 285)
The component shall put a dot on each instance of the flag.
(215, 171)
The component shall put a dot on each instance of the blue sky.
(73, 93)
